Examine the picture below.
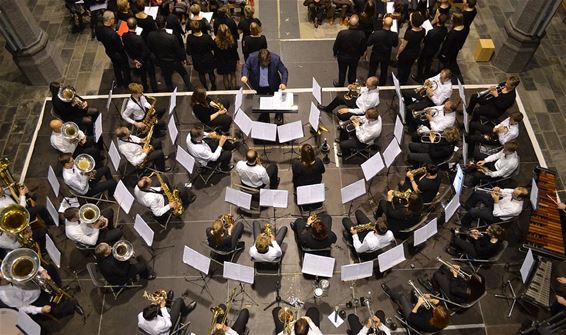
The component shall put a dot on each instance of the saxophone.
(147, 147)
(402, 195)
(171, 195)
(267, 230)
(418, 171)
(150, 118)
(364, 227)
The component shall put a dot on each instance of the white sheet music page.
(151, 11)
(238, 198)
(451, 208)
(465, 148)
(314, 116)
(425, 232)
(372, 166)
(98, 128)
(458, 179)
(27, 325)
(238, 100)
(53, 181)
(264, 131)
(283, 100)
(185, 159)
(173, 131)
(173, 101)
(398, 130)
(310, 194)
(290, 131)
(273, 198)
(391, 152)
(109, 100)
(114, 155)
(316, 90)
(391, 257)
(427, 26)
(461, 91)
(534, 194)
(144, 230)
(395, 27)
(356, 271)
(402, 110)
(527, 266)
(397, 86)
(52, 250)
(243, 121)
(318, 265)
(266, 103)
(354, 190)
(196, 260)
(52, 211)
(389, 7)
(238, 272)
(123, 197)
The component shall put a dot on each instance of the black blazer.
(383, 42)
(433, 40)
(135, 46)
(111, 41)
(165, 46)
(304, 176)
(114, 271)
(350, 44)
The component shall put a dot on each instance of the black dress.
(203, 24)
(200, 49)
(252, 44)
(148, 25)
(307, 176)
(452, 44)
(226, 59)
(244, 25)
(409, 54)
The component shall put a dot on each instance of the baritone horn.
(122, 250)
(353, 91)
(68, 94)
(89, 213)
(70, 130)
(85, 163)
(156, 297)
(14, 219)
(421, 91)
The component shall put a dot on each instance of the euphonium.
(364, 227)
(421, 91)
(267, 230)
(227, 220)
(353, 91)
(70, 130)
(122, 250)
(89, 213)
(172, 196)
(402, 195)
(156, 297)
(68, 94)
(14, 219)
(85, 163)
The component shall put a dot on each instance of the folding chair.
(440, 197)
(268, 268)
(497, 181)
(364, 152)
(101, 283)
(481, 262)
(223, 254)
(457, 307)
(206, 172)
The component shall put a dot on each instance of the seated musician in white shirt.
(256, 175)
(500, 204)
(86, 184)
(439, 91)
(208, 151)
(368, 98)
(90, 234)
(81, 144)
(436, 119)
(507, 130)
(498, 165)
(309, 324)
(267, 248)
(157, 319)
(366, 129)
(34, 209)
(132, 147)
(369, 240)
(137, 108)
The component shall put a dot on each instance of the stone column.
(523, 33)
(28, 44)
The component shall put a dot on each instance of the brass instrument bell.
(85, 163)
(89, 213)
(122, 250)
(70, 130)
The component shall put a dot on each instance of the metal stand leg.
(512, 297)
(203, 286)
(278, 299)
(243, 291)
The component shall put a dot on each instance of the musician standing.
(315, 232)
(106, 34)
(370, 240)
(374, 321)
(79, 145)
(499, 165)
(500, 204)
(121, 272)
(494, 103)
(267, 248)
(157, 319)
(86, 184)
(438, 90)
(138, 107)
(137, 50)
(255, 175)
(306, 325)
(134, 150)
(91, 234)
(208, 151)
(367, 129)
(383, 41)
(368, 98)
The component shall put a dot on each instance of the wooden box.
(484, 50)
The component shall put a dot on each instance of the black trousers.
(349, 142)
(312, 313)
(239, 326)
(361, 218)
(355, 324)
(148, 68)
(223, 122)
(349, 66)
(424, 64)
(419, 154)
(316, 12)
(464, 246)
(121, 68)
(140, 267)
(381, 61)
(484, 213)
(279, 234)
(97, 186)
(170, 67)
(404, 66)
(225, 156)
(42, 212)
(339, 100)
(109, 234)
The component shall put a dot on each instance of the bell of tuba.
(85, 163)
(89, 213)
(66, 93)
(20, 265)
(70, 130)
(122, 250)
(14, 219)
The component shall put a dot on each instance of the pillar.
(29, 44)
(523, 33)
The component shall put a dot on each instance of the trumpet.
(68, 94)
(122, 250)
(287, 317)
(486, 94)
(85, 163)
(89, 213)
(156, 297)
(353, 91)
(421, 91)
(367, 302)
(419, 293)
(70, 131)
(488, 190)
(349, 125)
(421, 115)
(460, 272)
(467, 232)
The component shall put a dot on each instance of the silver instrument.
(68, 94)
(487, 190)
(70, 130)
(367, 302)
(425, 137)
(421, 115)
(123, 250)
(461, 273)
(85, 163)
(419, 293)
(320, 287)
(89, 213)
(486, 95)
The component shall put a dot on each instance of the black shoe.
(226, 169)
(386, 289)
(79, 310)
(151, 275)
(170, 295)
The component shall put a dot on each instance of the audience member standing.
(410, 47)
(139, 53)
(253, 42)
(106, 34)
(246, 21)
(432, 42)
(348, 47)
(200, 47)
(383, 42)
(453, 44)
(226, 56)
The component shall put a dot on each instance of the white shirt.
(153, 201)
(442, 120)
(366, 100)
(372, 241)
(505, 165)
(132, 151)
(202, 152)
(313, 329)
(81, 232)
(64, 145)
(77, 181)
(134, 112)
(21, 297)
(272, 254)
(442, 92)
(6, 199)
(511, 133)
(9, 241)
(507, 207)
(381, 327)
(252, 175)
(368, 130)
(160, 325)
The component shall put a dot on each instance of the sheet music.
(527, 266)
(243, 121)
(238, 198)
(266, 103)
(98, 128)
(173, 131)
(290, 131)
(207, 15)
(397, 86)
(391, 257)
(318, 265)
(339, 321)
(239, 99)
(466, 120)
(52, 211)
(264, 131)
(372, 166)
(461, 91)
(53, 181)
(310, 194)
(196, 260)
(273, 198)
(173, 101)
(451, 208)
(143, 230)
(427, 26)
(316, 91)
(398, 130)
(185, 159)
(314, 116)
(424, 233)
(27, 325)
(67, 203)
(402, 110)
(151, 11)
(139, 31)
(52, 250)
(390, 8)
(238, 272)
(465, 148)
(395, 27)
(391, 152)
(109, 100)
(354, 190)
(534, 195)
(283, 100)
(458, 182)
(170, 32)
(356, 271)
(123, 197)
(114, 156)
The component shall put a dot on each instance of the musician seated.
(507, 130)
(89, 184)
(432, 150)
(224, 238)
(255, 175)
(308, 169)
(306, 325)
(399, 213)
(476, 244)
(436, 118)
(426, 185)
(134, 150)
(366, 129)
(369, 239)
(34, 209)
(438, 91)
(69, 110)
(91, 234)
(418, 316)
(375, 321)
(368, 98)
(209, 112)
(157, 319)
(137, 108)
(82, 144)
(156, 200)
(499, 165)
(208, 151)
(237, 328)
(267, 248)
(449, 281)
(494, 103)
(316, 232)
(117, 272)
(498, 205)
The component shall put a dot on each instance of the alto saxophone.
(147, 147)
(150, 118)
(172, 196)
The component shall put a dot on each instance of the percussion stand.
(278, 299)
(509, 297)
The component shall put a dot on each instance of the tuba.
(85, 163)
(68, 94)
(353, 91)
(89, 213)
(70, 131)
(122, 250)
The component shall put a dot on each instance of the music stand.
(526, 269)
(241, 274)
(147, 234)
(200, 263)
(278, 299)
(275, 199)
(239, 199)
(352, 191)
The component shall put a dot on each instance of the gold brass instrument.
(461, 273)
(421, 115)
(287, 317)
(419, 293)
(216, 136)
(353, 91)
(488, 190)
(172, 196)
(321, 128)
(9, 182)
(70, 131)
(218, 311)
(421, 91)
(227, 220)
(217, 104)
(418, 171)
(267, 230)
(14, 219)
(150, 118)
(155, 297)
(402, 195)
(431, 137)
(365, 227)
(22, 265)
(474, 165)
(147, 147)
(122, 250)
(468, 232)
(85, 163)
(89, 213)
(68, 94)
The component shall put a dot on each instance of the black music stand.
(278, 299)
(509, 297)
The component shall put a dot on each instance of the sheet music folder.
(256, 105)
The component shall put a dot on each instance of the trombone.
(219, 311)
(460, 272)
(419, 293)
(367, 302)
